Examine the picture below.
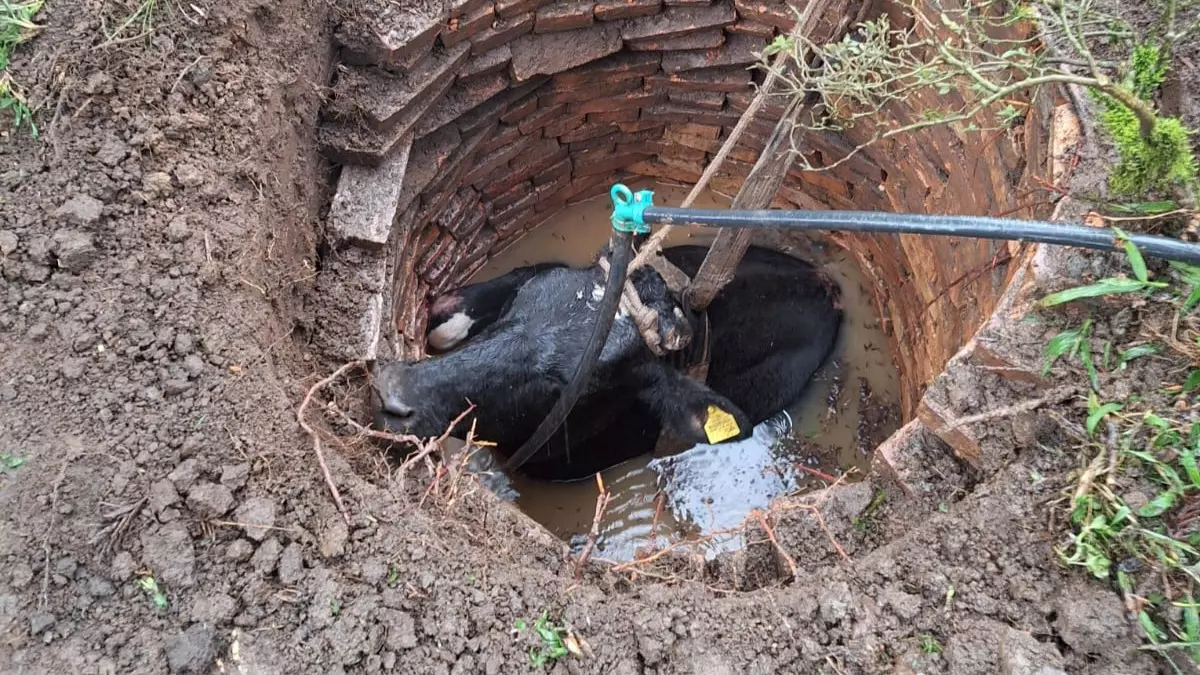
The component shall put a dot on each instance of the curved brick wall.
(462, 124)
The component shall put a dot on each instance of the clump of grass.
(553, 638)
(16, 27)
(1134, 506)
(862, 521)
(148, 584)
(137, 23)
(10, 462)
(930, 645)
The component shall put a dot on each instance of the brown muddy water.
(706, 492)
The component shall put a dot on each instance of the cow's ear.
(699, 415)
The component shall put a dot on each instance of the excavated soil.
(158, 245)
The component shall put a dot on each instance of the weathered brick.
(678, 21)
(563, 125)
(506, 9)
(554, 172)
(687, 3)
(389, 34)
(706, 100)
(587, 131)
(489, 113)
(606, 143)
(475, 218)
(618, 66)
(632, 100)
(440, 246)
(749, 27)
(772, 108)
(776, 14)
(550, 53)
(713, 79)
(475, 251)
(461, 160)
(606, 164)
(563, 15)
(739, 50)
(705, 38)
(457, 210)
(469, 25)
(630, 115)
(584, 187)
(693, 136)
(646, 134)
(440, 267)
(520, 110)
(510, 195)
(462, 98)
(460, 8)
(549, 195)
(544, 115)
(641, 127)
(345, 141)
(664, 149)
(501, 32)
(364, 206)
(514, 216)
(537, 158)
(615, 10)
(503, 136)
(495, 161)
(658, 169)
(676, 114)
(487, 63)
(578, 94)
(428, 156)
(383, 97)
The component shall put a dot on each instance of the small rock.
(217, 608)
(333, 538)
(178, 229)
(98, 82)
(99, 587)
(194, 365)
(209, 500)
(192, 650)
(239, 550)
(1092, 621)
(189, 175)
(401, 630)
(234, 476)
(184, 344)
(40, 622)
(72, 368)
(1022, 654)
(176, 387)
(21, 575)
(76, 250)
(185, 475)
(835, 602)
(257, 516)
(8, 242)
(168, 551)
(123, 566)
(266, 556)
(112, 152)
(81, 210)
(162, 495)
(157, 183)
(291, 565)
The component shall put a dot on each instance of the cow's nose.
(397, 408)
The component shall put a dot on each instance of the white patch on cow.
(678, 313)
(597, 292)
(451, 332)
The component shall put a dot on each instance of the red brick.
(550, 53)
(682, 133)
(432, 251)
(678, 21)
(495, 160)
(647, 134)
(549, 195)
(632, 100)
(751, 28)
(514, 216)
(520, 111)
(706, 100)
(567, 15)
(578, 94)
(618, 66)
(503, 136)
(474, 219)
(462, 98)
(438, 267)
(544, 115)
(501, 32)
(488, 113)
(457, 210)
(429, 155)
(538, 158)
(486, 63)
(676, 114)
(553, 172)
(511, 195)
(585, 186)
(776, 14)
(707, 38)
(629, 115)
(660, 170)
(507, 9)
(474, 256)
(771, 108)
(563, 125)
(606, 164)
(664, 148)
(614, 10)
(687, 3)
(606, 142)
(587, 131)
(640, 127)
(739, 50)
(459, 8)
(469, 25)
(712, 79)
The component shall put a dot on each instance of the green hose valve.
(628, 207)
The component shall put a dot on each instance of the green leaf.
(1152, 631)
(1112, 286)
(1136, 261)
(1099, 565)
(1135, 353)
(1060, 345)
(1159, 504)
(1144, 208)
(1192, 382)
(1096, 416)
(1192, 299)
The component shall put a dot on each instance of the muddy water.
(706, 491)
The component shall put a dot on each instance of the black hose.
(618, 263)
(902, 223)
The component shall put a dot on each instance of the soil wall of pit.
(461, 126)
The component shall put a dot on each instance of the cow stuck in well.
(516, 340)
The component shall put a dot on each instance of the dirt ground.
(158, 244)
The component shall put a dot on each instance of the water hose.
(1099, 238)
(621, 246)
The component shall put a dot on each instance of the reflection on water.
(705, 490)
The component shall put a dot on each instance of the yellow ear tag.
(719, 425)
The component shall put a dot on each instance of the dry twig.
(333, 490)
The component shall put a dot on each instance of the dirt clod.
(256, 516)
(169, 553)
(81, 210)
(1091, 620)
(192, 650)
(209, 500)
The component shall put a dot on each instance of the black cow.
(770, 329)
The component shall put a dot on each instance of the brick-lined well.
(460, 125)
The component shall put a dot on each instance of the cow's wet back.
(770, 329)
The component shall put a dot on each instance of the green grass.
(148, 584)
(10, 462)
(16, 27)
(137, 23)
(1134, 504)
(552, 638)
(930, 645)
